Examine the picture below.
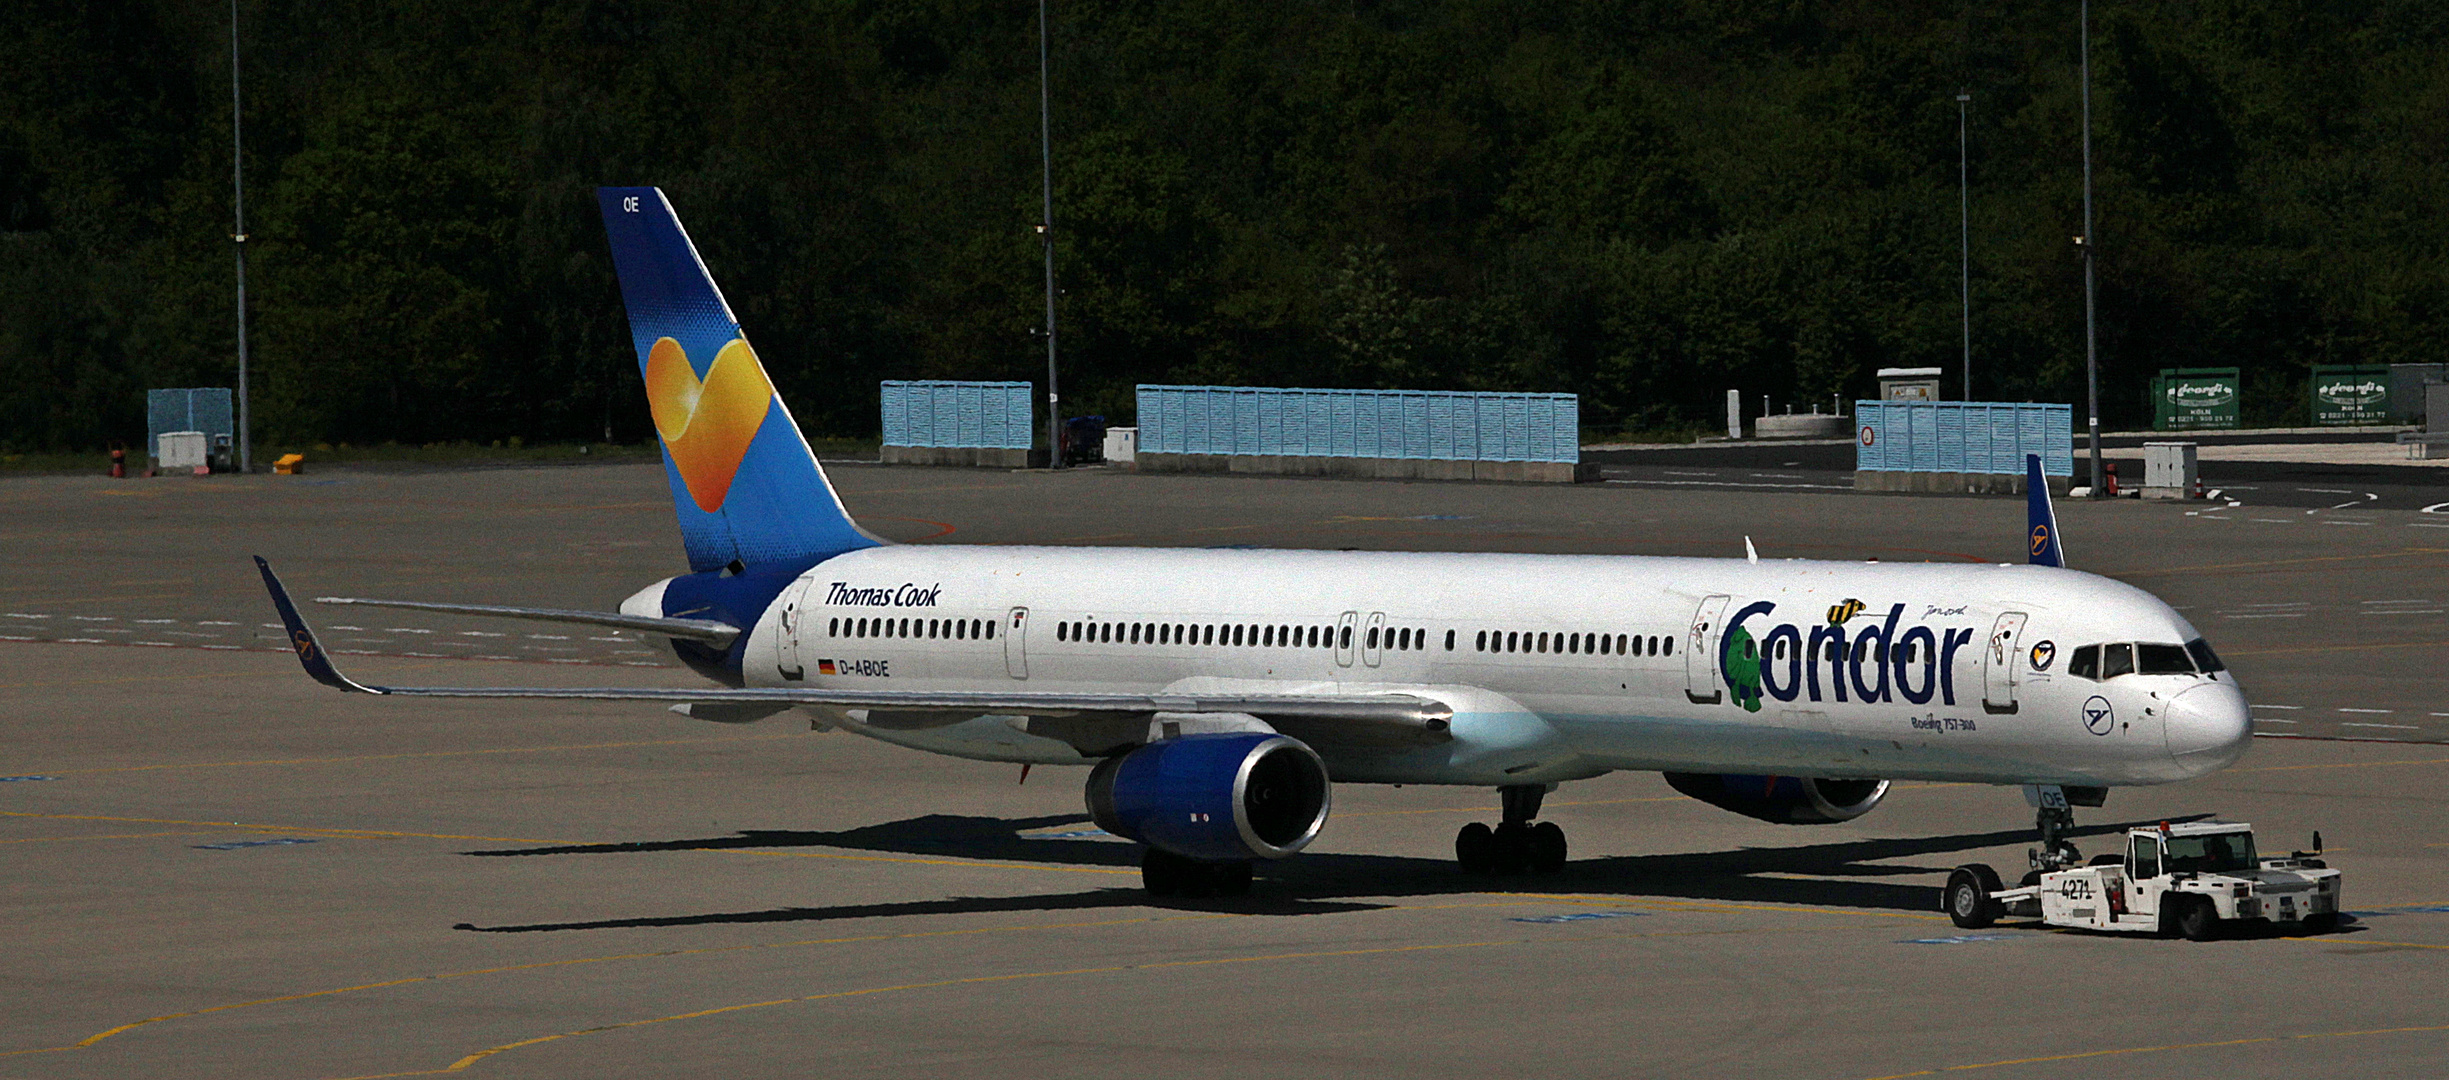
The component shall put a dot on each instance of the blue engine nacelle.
(1219, 798)
(1786, 800)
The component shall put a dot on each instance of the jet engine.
(1785, 800)
(1217, 798)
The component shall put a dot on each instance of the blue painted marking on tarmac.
(15, 779)
(1441, 517)
(1580, 916)
(1082, 834)
(1960, 939)
(236, 844)
(2428, 909)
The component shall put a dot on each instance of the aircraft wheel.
(1161, 872)
(1512, 848)
(1547, 848)
(1232, 879)
(1475, 849)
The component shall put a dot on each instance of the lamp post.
(1964, 233)
(2091, 336)
(1045, 229)
(238, 237)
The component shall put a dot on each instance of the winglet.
(302, 639)
(2042, 530)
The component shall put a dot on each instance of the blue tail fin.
(744, 482)
(2042, 516)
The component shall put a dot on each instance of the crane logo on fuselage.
(1875, 665)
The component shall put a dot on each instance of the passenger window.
(1670, 646)
(833, 627)
(2084, 662)
(2163, 660)
(990, 628)
(1347, 638)
(1512, 641)
(2143, 861)
(1449, 641)
(2116, 660)
(2205, 660)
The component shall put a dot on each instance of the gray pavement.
(219, 869)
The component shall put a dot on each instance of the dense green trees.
(1647, 203)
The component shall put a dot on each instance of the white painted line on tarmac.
(2290, 708)
(23, 615)
(2326, 491)
(215, 622)
(2272, 521)
(2406, 611)
(2383, 712)
(2268, 615)
(92, 618)
(404, 630)
(2345, 522)
(1671, 472)
(2425, 525)
(2271, 720)
(155, 622)
(2394, 727)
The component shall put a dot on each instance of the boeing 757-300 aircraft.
(1220, 694)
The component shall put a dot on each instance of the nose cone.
(2209, 727)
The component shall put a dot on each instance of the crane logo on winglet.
(2040, 540)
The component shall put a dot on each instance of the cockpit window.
(2085, 663)
(2213, 854)
(2163, 660)
(2204, 659)
(2116, 660)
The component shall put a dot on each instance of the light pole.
(1964, 233)
(238, 236)
(2091, 336)
(1045, 229)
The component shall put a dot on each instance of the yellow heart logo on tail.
(707, 425)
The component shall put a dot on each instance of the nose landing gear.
(1516, 844)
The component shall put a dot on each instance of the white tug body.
(2196, 879)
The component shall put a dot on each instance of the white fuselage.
(1557, 667)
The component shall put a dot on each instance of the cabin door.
(786, 636)
(2000, 663)
(1701, 682)
(1016, 643)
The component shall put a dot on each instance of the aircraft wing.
(1383, 712)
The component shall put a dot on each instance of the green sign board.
(2191, 399)
(2350, 394)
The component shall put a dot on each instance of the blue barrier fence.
(1962, 436)
(205, 409)
(1415, 424)
(938, 413)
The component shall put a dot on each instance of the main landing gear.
(1516, 844)
(1164, 873)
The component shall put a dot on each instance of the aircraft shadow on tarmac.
(1851, 874)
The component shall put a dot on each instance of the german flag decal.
(825, 667)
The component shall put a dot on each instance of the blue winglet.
(302, 639)
(2042, 531)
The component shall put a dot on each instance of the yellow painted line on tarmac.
(2081, 1055)
(974, 980)
(131, 1026)
(108, 836)
(421, 754)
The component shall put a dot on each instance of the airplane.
(1219, 695)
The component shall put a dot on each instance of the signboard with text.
(2194, 399)
(2345, 394)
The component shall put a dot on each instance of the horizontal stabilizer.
(707, 630)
